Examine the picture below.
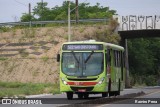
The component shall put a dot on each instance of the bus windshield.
(82, 63)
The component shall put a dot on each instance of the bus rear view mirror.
(58, 57)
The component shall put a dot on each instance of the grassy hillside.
(29, 54)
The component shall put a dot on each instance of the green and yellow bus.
(91, 67)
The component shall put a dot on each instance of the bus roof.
(107, 45)
(113, 46)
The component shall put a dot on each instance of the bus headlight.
(101, 81)
(64, 82)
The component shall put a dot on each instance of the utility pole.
(77, 12)
(42, 8)
(42, 12)
(29, 6)
(69, 22)
(69, 18)
(127, 80)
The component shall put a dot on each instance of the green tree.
(42, 12)
(144, 60)
(27, 17)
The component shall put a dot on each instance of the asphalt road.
(143, 101)
(60, 99)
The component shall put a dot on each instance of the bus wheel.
(104, 94)
(80, 95)
(109, 88)
(86, 95)
(69, 95)
(111, 94)
(119, 87)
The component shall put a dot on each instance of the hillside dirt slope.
(29, 55)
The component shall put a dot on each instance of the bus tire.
(69, 95)
(80, 95)
(111, 94)
(86, 95)
(119, 87)
(109, 87)
(104, 94)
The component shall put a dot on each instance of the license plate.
(82, 90)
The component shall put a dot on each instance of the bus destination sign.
(83, 47)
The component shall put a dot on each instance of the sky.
(12, 10)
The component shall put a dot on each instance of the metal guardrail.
(50, 22)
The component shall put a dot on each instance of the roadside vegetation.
(41, 70)
(86, 11)
(144, 61)
(17, 89)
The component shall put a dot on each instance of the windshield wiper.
(75, 57)
(76, 60)
(89, 57)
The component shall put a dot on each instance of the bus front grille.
(84, 88)
(82, 79)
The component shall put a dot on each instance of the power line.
(21, 3)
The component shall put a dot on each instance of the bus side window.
(108, 57)
(115, 58)
(119, 58)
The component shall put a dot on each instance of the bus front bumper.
(75, 88)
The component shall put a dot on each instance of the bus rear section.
(83, 70)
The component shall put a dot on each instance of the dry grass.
(37, 62)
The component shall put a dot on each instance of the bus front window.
(75, 64)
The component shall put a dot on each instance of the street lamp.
(69, 19)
